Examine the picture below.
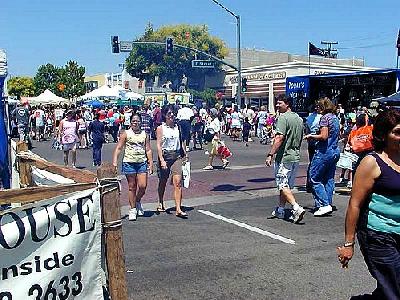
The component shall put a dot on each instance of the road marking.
(248, 227)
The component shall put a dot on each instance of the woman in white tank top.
(170, 155)
(136, 163)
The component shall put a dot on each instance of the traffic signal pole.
(183, 47)
(239, 60)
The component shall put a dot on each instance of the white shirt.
(170, 138)
(185, 113)
(215, 126)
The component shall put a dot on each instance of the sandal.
(160, 209)
(182, 215)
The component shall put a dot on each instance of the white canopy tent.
(47, 97)
(133, 96)
(104, 91)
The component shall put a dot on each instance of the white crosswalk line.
(248, 227)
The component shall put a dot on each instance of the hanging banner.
(52, 249)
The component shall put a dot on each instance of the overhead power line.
(367, 46)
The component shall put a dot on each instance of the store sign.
(260, 77)
(297, 87)
(52, 249)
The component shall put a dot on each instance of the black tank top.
(388, 183)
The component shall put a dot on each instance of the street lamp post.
(239, 61)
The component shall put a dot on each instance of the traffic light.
(169, 46)
(114, 44)
(244, 85)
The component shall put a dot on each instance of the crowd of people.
(364, 145)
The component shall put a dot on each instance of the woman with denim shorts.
(136, 163)
(170, 152)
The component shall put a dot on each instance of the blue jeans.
(381, 253)
(97, 145)
(322, 176)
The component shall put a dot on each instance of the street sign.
(203, 63)
(125, 46)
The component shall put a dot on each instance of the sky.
(37, 32)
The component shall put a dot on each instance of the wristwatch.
(348, 244)
(270, 154)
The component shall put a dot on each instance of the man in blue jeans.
(286, 146)
(96, 129)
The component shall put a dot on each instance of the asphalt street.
(230, 247)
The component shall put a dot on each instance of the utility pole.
(239, 61)
(332, 53)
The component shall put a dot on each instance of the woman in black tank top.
(374, 209)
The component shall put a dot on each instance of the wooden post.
(25, 173)
(113, 237)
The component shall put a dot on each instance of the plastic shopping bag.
(223, 150)
(186, 174)
(346, 160)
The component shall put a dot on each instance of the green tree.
(207, 95)
(147, 61)
(20, 87)
(67, 81)
(46, 77)
(72, 78)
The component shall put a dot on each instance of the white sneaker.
(139, 209)
(323, 210)
(278, 214)
(132, 214)
(298, 214)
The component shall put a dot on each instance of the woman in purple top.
(323, 164)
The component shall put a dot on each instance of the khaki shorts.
(174, 167)
(285, 174)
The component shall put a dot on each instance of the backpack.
(361, 139)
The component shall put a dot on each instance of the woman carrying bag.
(215, 130)
(170, 154)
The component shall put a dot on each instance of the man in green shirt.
(286, 146)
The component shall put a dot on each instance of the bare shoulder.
(369, 167)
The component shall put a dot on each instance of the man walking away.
(286, 146)
(96, 130)
(185, 116)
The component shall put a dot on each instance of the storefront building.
(266, 82)
(351, 90)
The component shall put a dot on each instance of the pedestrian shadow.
(257, 180)
(147, 214)
(227, 188)
(171, 210)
